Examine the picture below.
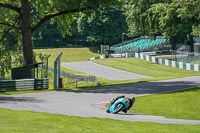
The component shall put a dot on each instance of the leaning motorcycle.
(117, 106)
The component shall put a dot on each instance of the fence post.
(57, 71)
(46, 64)
(55, 74)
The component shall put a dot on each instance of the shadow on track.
(142, 88)
(6, 99)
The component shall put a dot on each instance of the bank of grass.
(69, 54)
(32, 122)
(157, 72)
(181, 104)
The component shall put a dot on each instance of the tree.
(189, 13)
(178, 18)
(25, 16)
(136, 16)
(103, 28)
(167, 17)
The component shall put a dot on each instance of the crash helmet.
(133, 99)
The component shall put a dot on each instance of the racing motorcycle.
(120, 104)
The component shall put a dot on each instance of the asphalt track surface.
(90, 102)
(102, 71)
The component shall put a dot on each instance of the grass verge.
(182, 104)
(69, 54)
(31, 122)
(157, 72)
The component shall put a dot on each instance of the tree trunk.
(26, 32)
(173, 42)
(190, 42)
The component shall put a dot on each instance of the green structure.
(141, 44)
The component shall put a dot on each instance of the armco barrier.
(176, 64)
(24, 84)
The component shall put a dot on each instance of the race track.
(89, 102)
(102, 71)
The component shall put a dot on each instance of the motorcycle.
(120, 104)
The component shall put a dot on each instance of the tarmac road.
(102, 71)
(90, 102)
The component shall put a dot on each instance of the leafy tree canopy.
(167, 17)
(164, 17)
(23, 17)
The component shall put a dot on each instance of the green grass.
(147, 68)
(69, 54)
(185, 104)
(182, 104)
(31, 122)
(157, 72)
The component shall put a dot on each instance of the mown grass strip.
(157, 72)
(31, 122)
(182, 104)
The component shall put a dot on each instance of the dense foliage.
(170, 18)
(21, 18)
(91, 23)
(104, 26)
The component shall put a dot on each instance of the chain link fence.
(75, 79)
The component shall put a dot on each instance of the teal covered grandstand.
(141, 44)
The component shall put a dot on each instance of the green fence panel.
(184, 65)
(155, 60)
(130, 54)
(192, 67)
(177, 64)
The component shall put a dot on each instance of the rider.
(130, 102)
